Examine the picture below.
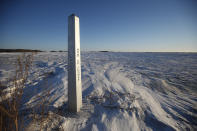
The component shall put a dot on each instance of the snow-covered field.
(121, 91)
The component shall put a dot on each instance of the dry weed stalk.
(44, 104)
(9, 107)
(40, 113)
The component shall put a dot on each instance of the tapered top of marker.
(73, 14)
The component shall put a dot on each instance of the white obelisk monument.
(74, 65)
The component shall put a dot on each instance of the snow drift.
(121, 91)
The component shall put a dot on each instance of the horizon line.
(98, 50)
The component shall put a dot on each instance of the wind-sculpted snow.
(121, 91)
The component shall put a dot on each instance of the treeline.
(58, 51)
(103, 51)
(19, 50)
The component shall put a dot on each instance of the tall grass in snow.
(10, 101)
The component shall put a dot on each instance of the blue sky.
(122, 25)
